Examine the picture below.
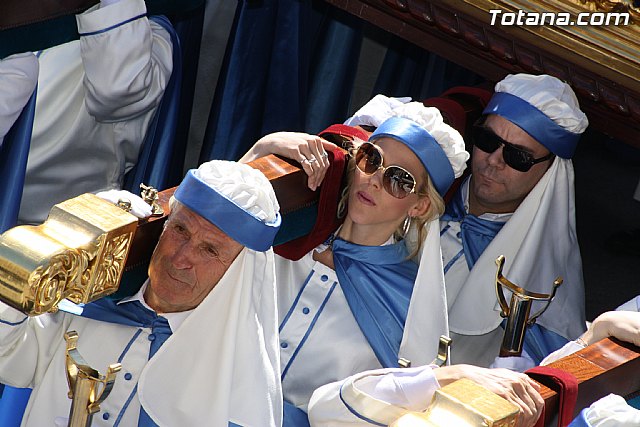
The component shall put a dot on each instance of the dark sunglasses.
(517, 158)
(396, 180)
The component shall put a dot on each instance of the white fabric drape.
(243, 370)
(539, 243)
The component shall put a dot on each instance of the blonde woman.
(353, 303)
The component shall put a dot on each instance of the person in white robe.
(381, 396)
(351, 304)
(517, 202)
(96, 97)
(198, 343)
(18, 79)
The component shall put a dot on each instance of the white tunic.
(33, 355)
(96, 97)
(539, 243)
(320, 340)
(18, 78)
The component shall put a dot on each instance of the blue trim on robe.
(4, 322)
(635, 402)
(119, 24)
(306, 335)
(476, 233)
(12, 405)
(295, 302)
(131, 313)
(377, 282)
(125, 406)
(539, 342)
(581, 419)
(356, 413)
(294, 416)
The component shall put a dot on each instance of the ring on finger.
(312, 160)
(324, 154)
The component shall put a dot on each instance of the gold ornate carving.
(47, 284)
(615, 6)
(79, 253)
(108, 272)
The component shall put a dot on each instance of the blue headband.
(554, 137)
(423, 145)
(222, 212)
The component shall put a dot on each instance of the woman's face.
(371, 205)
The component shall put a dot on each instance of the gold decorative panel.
(79, 253)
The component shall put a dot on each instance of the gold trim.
(79, 253)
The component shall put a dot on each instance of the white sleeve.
(572, 346)
(567, 349)
(514, 363)
(18, 79)
(634, 303)
(375, 397)
(27, 345)
(127, 60)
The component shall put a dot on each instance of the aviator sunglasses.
(396, 180)
(517, 158)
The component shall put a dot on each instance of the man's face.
(496, 187)
(189, 260)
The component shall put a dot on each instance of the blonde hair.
(427, 189)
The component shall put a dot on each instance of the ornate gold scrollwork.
(612, 6)
(79, 253)
(48, 283)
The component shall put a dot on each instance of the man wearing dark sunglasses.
(518, 202)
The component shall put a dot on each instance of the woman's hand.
(515, 387)
(624, 325)
(308, 150)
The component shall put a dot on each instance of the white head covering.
(544, 107)
(447, 137)
(550, 95)
(234, 197)
(223, 363)
(376, 111)
(381, 108)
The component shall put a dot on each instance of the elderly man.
(518, 202)
(210, 295)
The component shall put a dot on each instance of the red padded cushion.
(327, 221)
(563, 383)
